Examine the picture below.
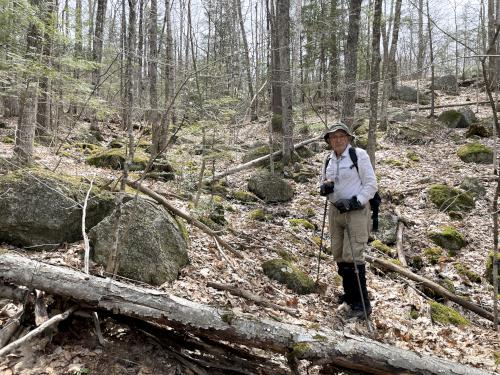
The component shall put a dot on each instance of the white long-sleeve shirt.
(348, 182)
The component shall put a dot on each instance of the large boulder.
(387, 228)
(270, 188)
(114, 158)
(447, 83)
(151, 243)
(409, 94)
(420, 131)
(41, 209)
(462, 118)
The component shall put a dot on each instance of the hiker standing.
(349, 187)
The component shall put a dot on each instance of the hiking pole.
(356, 271)
(321, 239)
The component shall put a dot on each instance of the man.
(349, 189)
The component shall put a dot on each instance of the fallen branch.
(157, 197)
(8, 330)
(237, 291)
(399, 243)
(432, 285)
(257, 161)
(449, 105)
(51, 322)
(319, 346)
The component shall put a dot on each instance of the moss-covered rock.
(433, 254)
(473, 186)
(260, 215)
(287, 273)
(453, 119)
(475, 153)
(115, 158)
(489, 267)
(416, 262)
(387, 227)
(448, 238)
(447, 198)
(117, 143)
(270, 188)
(465, 271)
(244, 196)
(396, 163)
(286, 255)
(446, 315)
(479, 130)
(409, 94)
(260, 151)
(42, 209)
(420, 131)
(302, 223)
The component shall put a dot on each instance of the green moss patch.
(260, 215)
(379, 245)
(302, 223)
(286, 273)
(7, 140)
(433, 254)
(453, 119)
(475, 153)
(244, 196)
(413, 156)
(465, 271)
(446, 315)
(448, 238)
(447, 198)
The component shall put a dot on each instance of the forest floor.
(75, 350)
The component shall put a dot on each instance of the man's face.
(339, 141)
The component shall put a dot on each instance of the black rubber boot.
(346, 270)
(357, 307)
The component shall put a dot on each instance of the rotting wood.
(255, 162)
(319, 346)
(41, 315)
(157, 197)
(237, 291)
(13, 292)
(399, 244)
(430, 284)
(52, 321)
(8, 330)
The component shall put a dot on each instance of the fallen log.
(257, 161)
(191, 220)
(483, 102)
(431, 285)
(320, 346)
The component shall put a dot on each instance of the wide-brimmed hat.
(334, 128)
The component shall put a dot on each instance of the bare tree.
(351, 63)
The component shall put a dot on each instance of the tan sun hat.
(334, 128)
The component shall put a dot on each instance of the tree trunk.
(159, 138)
(431, 54)
(169, 114)
(318, 346)
(97, 52)
(333, 50)
(286, 84)
(390, 70)
(246, 59)
(421, 40)
(375, 77)
(351, 63)
(276, 94)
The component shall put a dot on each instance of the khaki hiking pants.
(357, 224)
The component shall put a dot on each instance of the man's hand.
(326, 188)
(345, 205)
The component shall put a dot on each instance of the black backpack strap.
(354, 157)
(327, 161)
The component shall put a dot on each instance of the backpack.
(375, 201)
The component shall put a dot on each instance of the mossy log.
(430, 284)
(317, 346)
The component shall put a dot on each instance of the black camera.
(326, 188)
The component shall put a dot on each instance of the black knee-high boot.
(346, 271)
(357, 307)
